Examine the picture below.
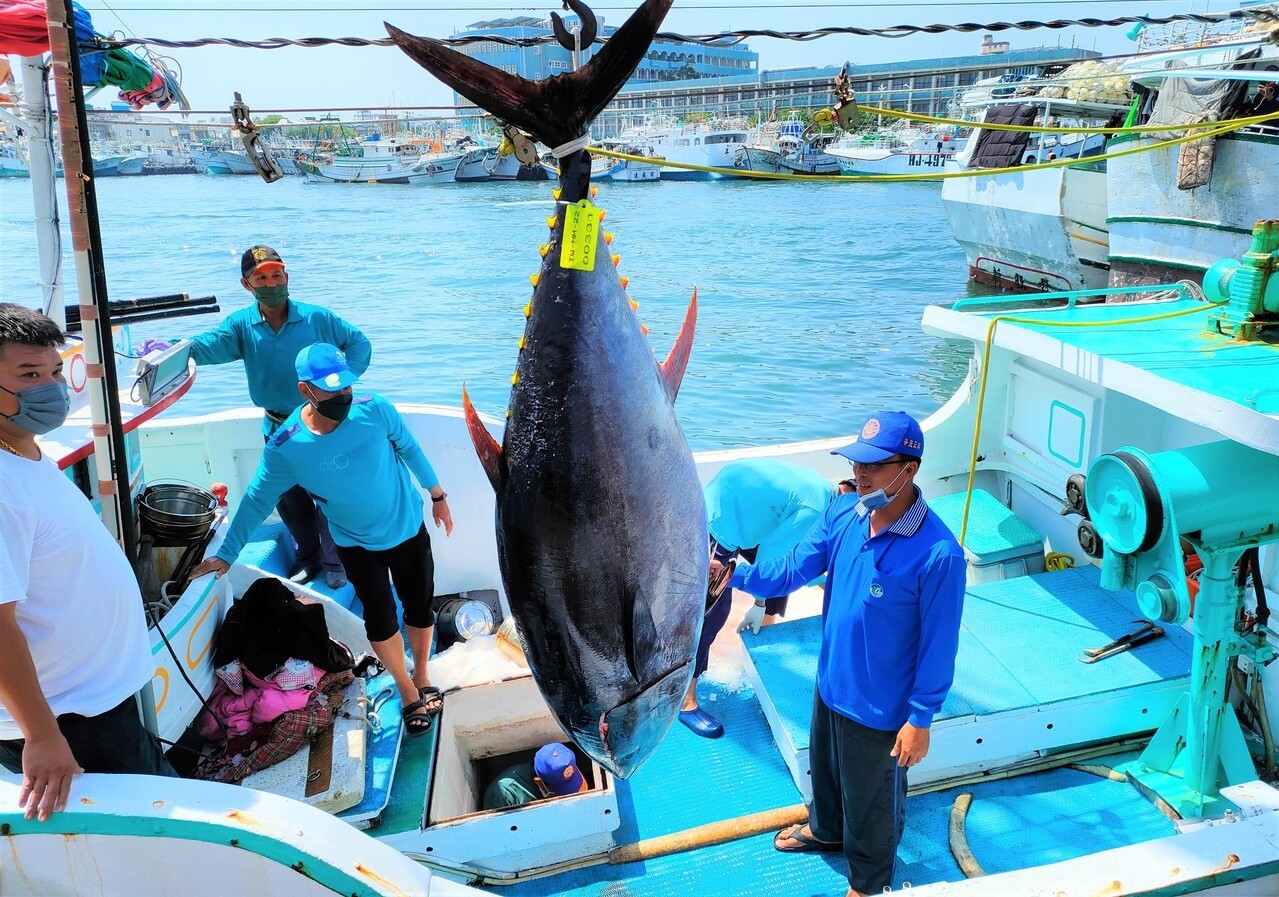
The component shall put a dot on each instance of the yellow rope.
(938, 176)
(1039, 129)
(985, 361)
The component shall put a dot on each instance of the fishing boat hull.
(11, 167)
(872, 161)
(627, 171)
(1032, 231)
(1159, 233)
(433, 170)
(222, 162)
(765, 159)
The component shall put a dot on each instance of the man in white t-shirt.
(73, 635)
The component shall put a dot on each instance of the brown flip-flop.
(807, 843)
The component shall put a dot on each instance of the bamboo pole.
(110, 457)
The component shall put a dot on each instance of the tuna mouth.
(632, 730)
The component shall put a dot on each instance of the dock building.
(678, 78)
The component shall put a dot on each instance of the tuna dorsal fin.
(558, 109)
(677, 362)
(485, 445)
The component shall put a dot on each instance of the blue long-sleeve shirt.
(764, 503)
(891, 611)
(269, 356)
(359, 473)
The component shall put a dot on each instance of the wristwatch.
(440, 497)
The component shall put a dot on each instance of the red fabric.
(24, 30)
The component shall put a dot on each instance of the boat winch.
(1222, 500)
(1247, 286)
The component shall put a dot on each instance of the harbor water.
(809, 294)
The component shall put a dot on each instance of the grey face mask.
(41, 409)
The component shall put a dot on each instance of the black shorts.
(410, 566)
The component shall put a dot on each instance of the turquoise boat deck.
(1013, 823)
(1162, 353)
(1043, 621)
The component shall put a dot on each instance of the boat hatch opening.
(483, 730)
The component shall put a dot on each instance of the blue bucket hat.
(883, 436)
(324, 366)
(556, 766)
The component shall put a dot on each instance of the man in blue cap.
(891, 608)
(353, 454)
(553, 773)
(267, 336)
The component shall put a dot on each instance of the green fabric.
(513, 787)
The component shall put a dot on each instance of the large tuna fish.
(601, 527)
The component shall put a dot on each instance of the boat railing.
(1070, 298)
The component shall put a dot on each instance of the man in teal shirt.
(267, 337)
(759, 509)
(353, 454)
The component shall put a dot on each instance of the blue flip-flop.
(701, 722)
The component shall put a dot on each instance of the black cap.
(256, 257)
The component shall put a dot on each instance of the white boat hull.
(1039, 230)
(1160, 234)
(870, 160)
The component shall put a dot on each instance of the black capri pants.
(410, 566)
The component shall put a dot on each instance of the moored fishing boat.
(794, 149)
(712, 144)
(1175, 210)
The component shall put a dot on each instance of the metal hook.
(258, 154)
(582, 39)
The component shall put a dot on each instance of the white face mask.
(873, 501)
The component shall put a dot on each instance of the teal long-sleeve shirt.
(359, 474)
(891, 610)
(269, 357)
(766, 504)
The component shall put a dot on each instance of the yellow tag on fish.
(581, 235)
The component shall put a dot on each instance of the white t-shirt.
(78, 602)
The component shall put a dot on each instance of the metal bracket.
(583, 39)
(259, 155)
(846, 105)
(522, 145)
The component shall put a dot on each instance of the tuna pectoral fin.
(645, 657)
(677, 362)
(485, 445)
(558, 109)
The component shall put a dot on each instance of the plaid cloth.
(268, 745)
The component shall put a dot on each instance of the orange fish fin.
(485, 445)
(677, 362)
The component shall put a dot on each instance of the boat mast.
(39, 126)
(110, 457)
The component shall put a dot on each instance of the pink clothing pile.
(242, 701)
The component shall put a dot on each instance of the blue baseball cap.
(324, 365)
(883, 436)
(556, 766)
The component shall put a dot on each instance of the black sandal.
(432, 700)
(417, 719)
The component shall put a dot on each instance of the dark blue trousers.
(309, 528)
(859, 795)
(114, 741)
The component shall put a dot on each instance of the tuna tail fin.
(559, 109)
(485, 445)
(677, 362)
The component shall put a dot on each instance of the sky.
(373, 77)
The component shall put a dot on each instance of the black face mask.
(335, 408)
